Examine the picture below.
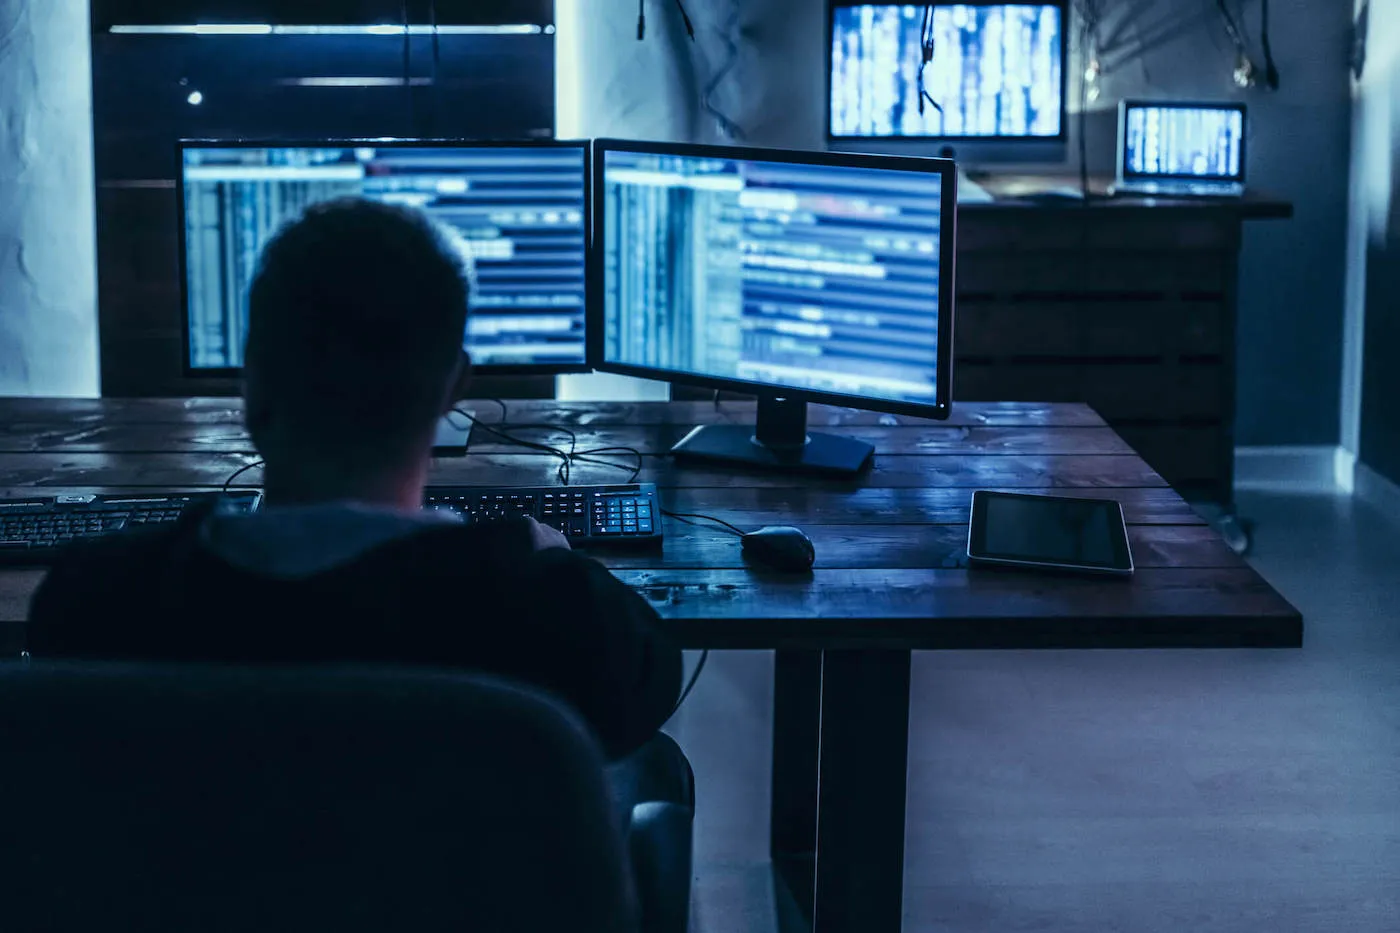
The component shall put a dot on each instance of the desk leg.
(861, 792)
(797, 692)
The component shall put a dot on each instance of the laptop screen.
(1193, 141)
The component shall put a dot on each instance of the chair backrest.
(193, 798)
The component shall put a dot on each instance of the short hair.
(356, 319)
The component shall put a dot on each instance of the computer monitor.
(522, 209)
(793, 276)
(994, 90)
(1172, 140)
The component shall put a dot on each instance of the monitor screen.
(1183, 141)
(996, 72)
(521, 210)
(803, 274)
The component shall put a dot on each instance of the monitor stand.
(453, 433)
(779, 441)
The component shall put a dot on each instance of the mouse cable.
(683, 516)
(239, 472)
(690, 684)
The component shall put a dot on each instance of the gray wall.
(1291, 272)
(48, 259)
(1291, 280)
(1374, 298)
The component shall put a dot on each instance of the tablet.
(1053, 532)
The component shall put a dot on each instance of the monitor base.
(824, 454)
(454, 432)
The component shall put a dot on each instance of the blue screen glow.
(1196, 142)
(996, 71)
(520, 213)
(810, 276)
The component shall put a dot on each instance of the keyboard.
(1181, 188)
(589, 516)
(33, 530)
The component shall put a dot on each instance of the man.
(354, 352)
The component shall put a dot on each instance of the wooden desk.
(890, 576)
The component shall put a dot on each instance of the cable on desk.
(505, 412)
(565, 459)
(584, 456)
(683, 516)
(239, 472)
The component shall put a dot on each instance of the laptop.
(1175, 149)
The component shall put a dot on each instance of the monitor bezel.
(1124, 175)
(483, 369)
(943, 378)
(1061, 138)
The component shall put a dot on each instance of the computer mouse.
(781, 547)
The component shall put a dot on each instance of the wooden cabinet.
(1127, 304)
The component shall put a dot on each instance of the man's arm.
(612, 658)
(83, 607)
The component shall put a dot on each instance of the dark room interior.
(700, 465)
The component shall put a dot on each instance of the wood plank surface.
(147, 437)
(910, 547)
(213, 469)
(891, 568)
(961, 609)
(230, 410)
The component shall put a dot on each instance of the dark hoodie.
(347, 583)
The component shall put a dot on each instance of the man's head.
(356, 317)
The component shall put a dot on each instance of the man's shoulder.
(100, 585)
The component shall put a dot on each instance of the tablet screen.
(1049, 529)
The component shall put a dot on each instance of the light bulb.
(1244, 72)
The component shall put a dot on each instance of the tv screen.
(997, 71)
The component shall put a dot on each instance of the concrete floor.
(1122, 791)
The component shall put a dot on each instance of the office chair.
(179, 798)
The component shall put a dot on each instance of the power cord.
(566, 458)
(1246, 71)
(685, 18)
(686, 518)
(926, 50)
(694, 676)
(642, 20)
(727, 126)
(239, 472)
(1271, 78)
